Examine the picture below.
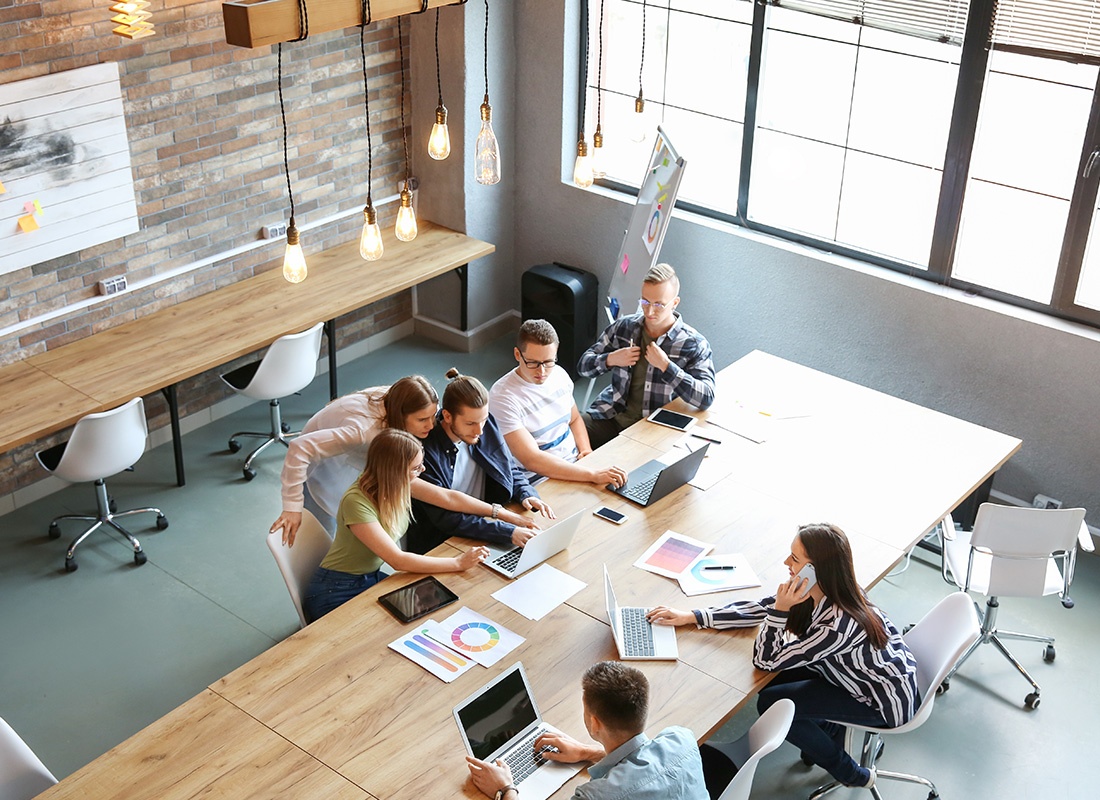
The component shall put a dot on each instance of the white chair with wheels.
(938, 641)
(765, 735)
(22, 774)
(1015, 552)
(288, 366)
(101, 445)
(298, 563)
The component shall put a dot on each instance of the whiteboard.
(648, 224)
(63, 144)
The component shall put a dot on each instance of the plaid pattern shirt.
(690, 375)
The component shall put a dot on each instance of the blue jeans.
(816, 703)
(330, 589)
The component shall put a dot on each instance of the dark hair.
(828, 550)
(407, 396)
(463, 392)
(617, 695)
(536, 331)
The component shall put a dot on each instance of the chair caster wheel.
(805, 759)
(1032, 700)
(234, 446)
(70, 565)
(112, 505)
(285, 427)
(248, 473)
(54, 531)
(139, 558)
(162, 522)
(943, 687)
(1048, 654)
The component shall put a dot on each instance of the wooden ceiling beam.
(257, 23)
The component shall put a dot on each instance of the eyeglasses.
(650, 304)
(417, 471)
(549, 363)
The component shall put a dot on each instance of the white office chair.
(765, 735)
(1015, 552)
(287, 367)
(101, 445)
(298, 563)
(938, 641)
(22, 774)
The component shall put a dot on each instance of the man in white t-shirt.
(534, 408)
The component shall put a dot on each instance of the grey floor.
(89, 658)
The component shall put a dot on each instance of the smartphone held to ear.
(810, 574)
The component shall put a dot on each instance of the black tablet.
(417, 599)
(671, 419)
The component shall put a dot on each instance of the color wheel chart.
(475, 637)
(471, 635)
(711, 577)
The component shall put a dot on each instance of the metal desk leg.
(169, 393)
(330, 335)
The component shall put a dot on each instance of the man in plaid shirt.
(653, 356)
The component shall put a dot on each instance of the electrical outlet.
(273, 231)
(109, 286)
(1042, 501)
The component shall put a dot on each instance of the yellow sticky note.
(2, 189)
(28, 223)
(37, 207)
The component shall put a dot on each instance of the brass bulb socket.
(582, 149)
(292, 237)
(486, 110)
(370, 216)
(441, 115)
(639, 104)
(597, 138)
(406, 197)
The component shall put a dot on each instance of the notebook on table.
(501, 720)
(517, 560)
(635, 638)
(653, 480)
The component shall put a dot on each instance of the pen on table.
(707, 438)
(723, 566)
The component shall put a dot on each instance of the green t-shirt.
(347, 553)
(634, 401)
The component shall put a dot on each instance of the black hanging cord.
(641, 66)
(303, 22)
(366, 9)
(404, 131)
(584, 79)
(486, 53)
(438, 81)
(282, 112)
(599, 74)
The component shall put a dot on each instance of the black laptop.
(653, 480)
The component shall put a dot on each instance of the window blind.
(941, 20)
(1070, 27)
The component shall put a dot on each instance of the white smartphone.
(609, 515)
(810, 574)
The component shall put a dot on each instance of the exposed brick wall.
(207, 152)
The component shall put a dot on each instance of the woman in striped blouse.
(839, 657)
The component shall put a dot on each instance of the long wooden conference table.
(156, 352)
(332, 712)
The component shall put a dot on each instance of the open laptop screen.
(503, 711)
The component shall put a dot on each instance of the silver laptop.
(635, 637)
(547, 543)
(653, 480)
(501, 720)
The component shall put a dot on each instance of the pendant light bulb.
(582, 170)
(639, 124)
(294, 261)
(598, 170)
(406, 217)
(439, 143)
(370, 242)
(486, 150)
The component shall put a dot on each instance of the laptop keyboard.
(640, 492)
(637, 632)
(523, 760)
(508, 561)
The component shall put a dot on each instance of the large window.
(954, 139)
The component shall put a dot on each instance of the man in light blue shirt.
(628, 763)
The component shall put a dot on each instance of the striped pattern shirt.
(690, 375)
(835, 647)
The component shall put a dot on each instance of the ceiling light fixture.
(439, 143)
(486, 149)
(370, 241)
(598, 170)
(406, 215)
(639, 128)
(582, 169)
(294, 260)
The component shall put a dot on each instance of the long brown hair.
(463, 391)
(828, 550)
(385, 479)
(407, 396)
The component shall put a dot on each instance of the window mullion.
(752, 93)
(960, 138)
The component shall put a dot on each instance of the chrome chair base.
(104, 516)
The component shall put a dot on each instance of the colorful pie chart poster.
(673, 554)
(718, 574)
(475, 637)
(420, 648)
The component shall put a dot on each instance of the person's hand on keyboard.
(559, 747)
(663, 615)
(489, 777)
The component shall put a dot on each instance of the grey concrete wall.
(995, 369)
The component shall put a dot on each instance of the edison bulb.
(406, 217)
(486, 150)
(294, 260)
(639, 124)
(370, 242)
(439, 143)
(598, 169)
(582, 170)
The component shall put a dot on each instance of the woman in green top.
(373, 516)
